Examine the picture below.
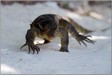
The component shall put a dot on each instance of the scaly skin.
(47, 27)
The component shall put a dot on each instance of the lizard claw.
(32, 47)
(82, 38)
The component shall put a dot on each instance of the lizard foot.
(82, 38)
(32, 47)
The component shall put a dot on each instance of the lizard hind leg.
(64, 40)
(80, 38)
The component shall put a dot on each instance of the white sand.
(15, 20)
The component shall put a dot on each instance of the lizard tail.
(79, 28)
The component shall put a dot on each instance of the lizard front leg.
(30, 36)
(64, 40)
